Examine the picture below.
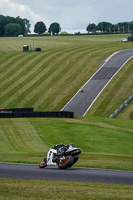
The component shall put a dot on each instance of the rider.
(61, 148)
(82, 90)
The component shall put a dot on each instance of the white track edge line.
(106, 85)
(90, 78)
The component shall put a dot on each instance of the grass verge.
(26, 189)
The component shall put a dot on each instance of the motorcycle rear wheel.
(43, 163)
(76, 159)
(69, 161)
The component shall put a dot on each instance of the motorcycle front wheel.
(43, 163)
(69, 161)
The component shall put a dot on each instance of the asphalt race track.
(81, 102)
(33, 172)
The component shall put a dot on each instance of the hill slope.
(47, 80)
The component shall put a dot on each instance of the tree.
(104, 27)
(40, 28)
(24, 23)
(91, 28)
(21, 23)
(123, 27)
(13, 29)
(27, 25)
(130, 27)
(2, 25)
(54, 28)
(3, 22)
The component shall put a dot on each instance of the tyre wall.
(29, 113)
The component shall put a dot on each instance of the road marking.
(92, 78)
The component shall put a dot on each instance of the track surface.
(33, 172)
(81, 102)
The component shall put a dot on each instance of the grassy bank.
(104, 145)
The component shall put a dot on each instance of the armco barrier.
(122, 107)
(62, 114)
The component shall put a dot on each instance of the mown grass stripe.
(5, 57)
(13, 71)
(29, 66)
(25, 66)
(36, 77)
(20, 137)
(20, 83)
(45, 84)
(6, 68)
(5, 140)
(33, 142)
(13, 140)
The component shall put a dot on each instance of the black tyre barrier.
(62, 114)
(130, 38)
(12, 110)
(37, 49)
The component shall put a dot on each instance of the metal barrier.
(122, 107)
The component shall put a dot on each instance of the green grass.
(104, 145)
(25, 189)
(131, 115)
(47, 80)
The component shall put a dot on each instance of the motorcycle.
(63, 156)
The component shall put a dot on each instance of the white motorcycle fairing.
(71, 149)
(50, 156)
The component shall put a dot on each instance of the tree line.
(106, 27)
(10, 26)
(103, 27)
